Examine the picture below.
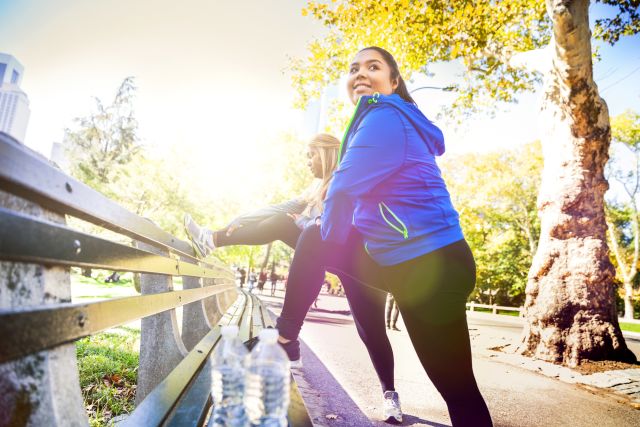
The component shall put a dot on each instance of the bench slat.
(195, 404)
(245, 326)
(24, 174)
(188, 382)
(26, 239)
(31, 330)
(158, 404)
(297, 414)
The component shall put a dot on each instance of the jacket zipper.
(404, 231)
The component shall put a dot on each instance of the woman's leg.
(367, 308)
(312, 258)
(278, 227)
(306, 276)
(431, 292)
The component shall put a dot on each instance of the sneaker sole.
(296, 364)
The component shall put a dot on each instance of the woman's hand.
(235, 224)
(294, 216)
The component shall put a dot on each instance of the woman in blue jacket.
(388, 220)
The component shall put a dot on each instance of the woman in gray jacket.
(282, 222)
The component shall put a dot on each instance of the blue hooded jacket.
(388, 185)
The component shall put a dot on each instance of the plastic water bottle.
(266, 397)
(227, 380)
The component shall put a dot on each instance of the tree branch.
(616, 250)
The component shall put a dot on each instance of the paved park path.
(341, 388)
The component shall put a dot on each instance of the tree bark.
(569, 307)
(265, 261)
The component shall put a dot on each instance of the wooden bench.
(39, 382)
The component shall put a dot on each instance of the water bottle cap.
(229, 331)
(269, 335)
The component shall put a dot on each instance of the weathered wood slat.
(31, 330)
(297, 414)
(27, 176)
(196, 402)
(26, 239)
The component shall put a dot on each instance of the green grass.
(502, 312)
(108, 365)
(631, 327)
(94, 288)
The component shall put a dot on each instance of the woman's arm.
(376, 151)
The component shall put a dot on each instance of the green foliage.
(160, 185)
(340, 112)
(481, 34)
(625, 23)
(105, 141)
(108, 365)
(495, 194)
(622, 213)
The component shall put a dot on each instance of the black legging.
(431, 292)
(366, 303)
(277, 227)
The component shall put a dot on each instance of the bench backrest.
(38, 324)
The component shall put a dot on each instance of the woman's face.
(314, 162)
(368, 74)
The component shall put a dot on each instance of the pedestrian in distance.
(262, 279)
(243, 276)
(392, 313)
(388, 219)
(252, 280)
(273, 277)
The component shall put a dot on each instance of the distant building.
(316, 115)
(14, 104)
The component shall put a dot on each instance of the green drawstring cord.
(403, 230)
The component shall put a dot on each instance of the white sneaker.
(200, 237)
(391, 412)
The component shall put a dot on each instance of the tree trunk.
(569, 307)
(266, 257)
(628, 300)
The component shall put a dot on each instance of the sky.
(211, 79)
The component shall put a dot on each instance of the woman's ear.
(394, 83)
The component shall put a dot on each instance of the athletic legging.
(431, 292)
(277, 227)
(366, 303)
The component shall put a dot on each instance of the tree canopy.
(495, 194)
(487, 37)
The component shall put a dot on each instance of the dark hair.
(395, 73)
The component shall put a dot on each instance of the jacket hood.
(430, 133)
